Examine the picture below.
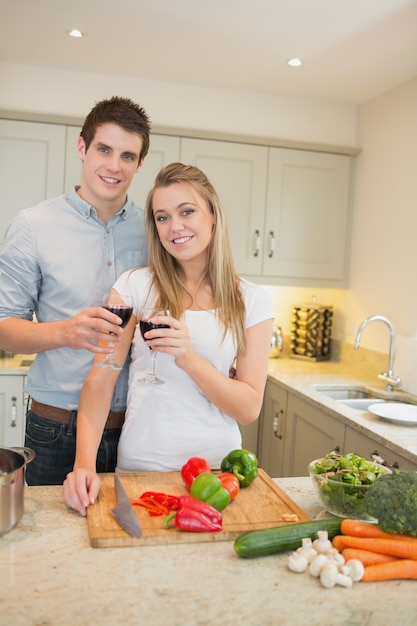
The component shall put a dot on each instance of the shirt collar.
(87, 210)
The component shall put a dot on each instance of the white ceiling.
(353, 50)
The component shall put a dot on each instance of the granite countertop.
(51, 576)
(301, 378)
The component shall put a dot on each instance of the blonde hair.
(167, 275)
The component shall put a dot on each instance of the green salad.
(341, 482)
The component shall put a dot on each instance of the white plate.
(397, 412)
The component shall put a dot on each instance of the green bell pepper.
(243, 464)
(208, 488)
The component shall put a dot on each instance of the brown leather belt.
(63, 416)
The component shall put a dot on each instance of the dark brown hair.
(121, 111)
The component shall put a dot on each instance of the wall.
(384, 250)
(41, 90)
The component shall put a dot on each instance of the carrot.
(366, 557)
(403, 549)
(355, 528)
(338, 542)
(401, 568)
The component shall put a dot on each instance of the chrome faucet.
(387, 377)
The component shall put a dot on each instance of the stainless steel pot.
(12, 481)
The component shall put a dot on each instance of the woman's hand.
(174, 340)
(81, 489)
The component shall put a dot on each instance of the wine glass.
(145, 324)
(121, 306)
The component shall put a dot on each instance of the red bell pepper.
(157, 503)
(195, 516)
(193, 468)
(230, 482)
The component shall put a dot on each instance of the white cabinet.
(288, 210)
(365, 446)
(238, 172)
(311, 433)
(12, 410)
(272, 432)
(307, 216)
(32, 159)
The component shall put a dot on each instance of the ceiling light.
(294, 62)
(74, 32)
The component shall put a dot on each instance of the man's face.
(110, 163)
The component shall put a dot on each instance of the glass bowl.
(341, 498)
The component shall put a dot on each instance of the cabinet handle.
(13, 413)
(275, 423)
(257, 242)
(271, 244)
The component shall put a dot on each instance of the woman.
(217, 320)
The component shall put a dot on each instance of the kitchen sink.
(360, 397)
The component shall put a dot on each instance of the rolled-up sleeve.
(20, 274)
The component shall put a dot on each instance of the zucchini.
(266, 541)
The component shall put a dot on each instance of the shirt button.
(109, 263)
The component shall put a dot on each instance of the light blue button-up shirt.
(59, 258)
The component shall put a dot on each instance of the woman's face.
(184, 222)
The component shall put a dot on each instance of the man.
(59, 259)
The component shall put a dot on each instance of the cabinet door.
(238, 172)
(250, 436)
(273, 436)
(31, 166)
(311, 434)
(163, 149)
(12, 418)
(307, 215)
(365, 446)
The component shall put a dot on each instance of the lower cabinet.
(12, 410)
(311, 434)
(293, 432)
(365, 446)
(250, 436)
(272, 430)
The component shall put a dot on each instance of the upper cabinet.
(32, 160)
(239, 173)
(306, 232)
(288, 210)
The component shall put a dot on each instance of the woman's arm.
(82, 485)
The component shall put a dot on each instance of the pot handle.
(28, 453)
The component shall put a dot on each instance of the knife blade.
(124, 512)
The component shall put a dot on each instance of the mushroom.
(306, 549)
(322, 544)
(297, 562)
(328, 574)
(317, 564)
(355, 568)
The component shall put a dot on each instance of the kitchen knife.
(124, 512)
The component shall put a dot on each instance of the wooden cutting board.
(261, 505)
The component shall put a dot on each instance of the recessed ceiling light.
(74, 32)
(294, 62)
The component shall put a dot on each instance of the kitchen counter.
(51, 576)
(301, 377)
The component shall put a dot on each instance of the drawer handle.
(275, 424)
(13, 413)
(257, 242)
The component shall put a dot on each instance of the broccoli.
(392, 500)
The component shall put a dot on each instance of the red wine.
(145, 326)
(122, 310)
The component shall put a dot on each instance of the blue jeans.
(54, 445)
